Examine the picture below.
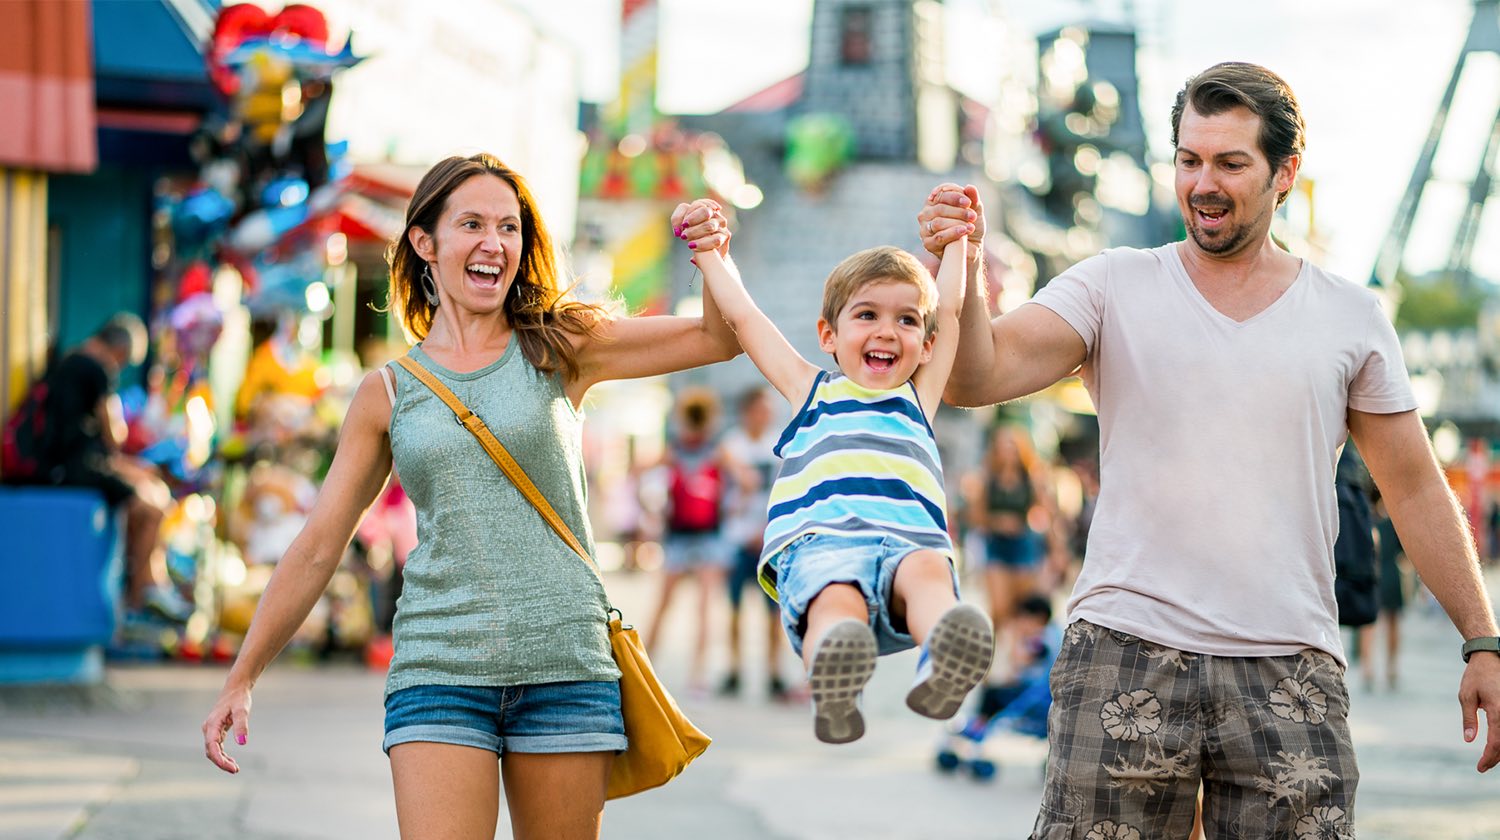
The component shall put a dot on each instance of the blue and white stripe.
(857, 462)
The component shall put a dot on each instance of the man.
(1204, 645)
(85, 427)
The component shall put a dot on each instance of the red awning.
(47, 86)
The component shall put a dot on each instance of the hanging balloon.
(201, 213)
(196, 280)
(284, 192)
(236, 24)
(818, 146)
(258, 230)
(263, 104)
(196, 323)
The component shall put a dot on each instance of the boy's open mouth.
(880, 361)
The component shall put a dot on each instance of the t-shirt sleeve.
(1077, 296)
(1381, 385)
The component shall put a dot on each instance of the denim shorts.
(810, 563)
(684, 552)
(562, 717)
(1021, 551)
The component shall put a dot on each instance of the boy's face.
(1028, 625)
(878, 339)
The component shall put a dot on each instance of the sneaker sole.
(961, 648)
(843, 664)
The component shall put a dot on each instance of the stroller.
(1020, 708)
(1020, 705)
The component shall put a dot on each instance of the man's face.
(1226, 188)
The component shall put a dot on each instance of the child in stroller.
(1021, 704)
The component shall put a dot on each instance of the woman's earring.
(429, 288)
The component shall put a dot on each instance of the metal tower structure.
(1484, 37)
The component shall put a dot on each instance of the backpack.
(1355, 579)
(693, 493)
(25, 441)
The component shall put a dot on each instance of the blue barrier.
(61, 558)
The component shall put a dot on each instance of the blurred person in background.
(1391, 572)
(1078, 535)
(1022, 699)
(76, 429)
(1203, 644)
(501, 641)
(1005, 496)
(749, 451)
(692, 545)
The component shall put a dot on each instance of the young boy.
(857, 549)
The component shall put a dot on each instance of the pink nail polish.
(677, 231)
(240, 739)
(693, 245)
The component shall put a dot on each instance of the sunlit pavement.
(125, 762)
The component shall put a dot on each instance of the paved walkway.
(125, 761)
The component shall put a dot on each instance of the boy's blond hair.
(885, 264)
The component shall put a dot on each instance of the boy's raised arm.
(777, 360)
(932, 377)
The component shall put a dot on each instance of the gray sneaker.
(842, 664)
(955, 658)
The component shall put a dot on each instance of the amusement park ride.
(1484, 37)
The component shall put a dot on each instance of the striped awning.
(47, 86)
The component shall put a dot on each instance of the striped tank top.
(857, 462)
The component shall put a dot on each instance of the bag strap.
(502, 458)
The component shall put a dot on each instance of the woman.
(1004, 497)
(693, 546)
(501, 641)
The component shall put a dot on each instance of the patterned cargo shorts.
(1135, 727)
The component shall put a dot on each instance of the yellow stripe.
(854, 464)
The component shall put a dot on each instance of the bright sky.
(1368, 73)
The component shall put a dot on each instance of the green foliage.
(1438, 303)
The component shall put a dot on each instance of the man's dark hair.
(1036, 605)
(1240, 84)
(126, 333)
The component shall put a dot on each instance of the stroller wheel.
(982, 769)
(947, 761)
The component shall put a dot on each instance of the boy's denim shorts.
(562, 717)
(810, 563)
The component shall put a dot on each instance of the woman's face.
(1003, 448)
(475, 249)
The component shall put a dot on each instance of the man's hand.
(950, 212)
(1480, 689)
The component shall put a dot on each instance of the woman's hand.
(950, 212)
(702, 225)
(231, 712)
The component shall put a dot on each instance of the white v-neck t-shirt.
(1216, 514)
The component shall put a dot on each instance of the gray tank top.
(491, 595)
